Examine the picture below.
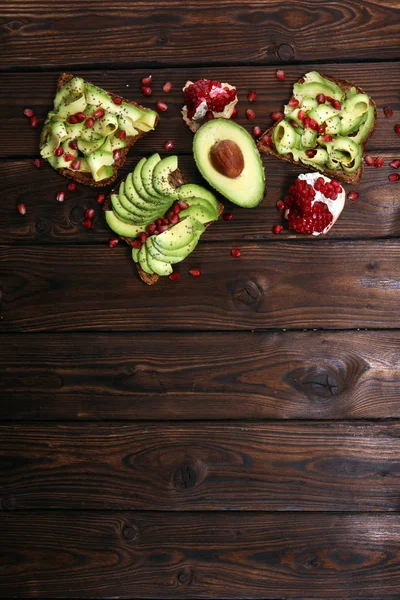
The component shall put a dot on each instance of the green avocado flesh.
(96, 139)
(348, 125)
(247, 189)
(146, 195)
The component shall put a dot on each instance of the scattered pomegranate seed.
(162, 228)
(195, 272)
(159, 222)
(89, 122)
(301, 115)
(73, 145)
(252, 96)
(379, 162)
(59, 151)
(306, 122)
(98, 113)
(227, 216)
(369, 160)
(280, 205)
(169, 145)
(310, 153)
(183, 204)
(121, 134)
(76, 165)
(209, 115)
(151, 228)
(354, 196)
(21, 209)
(176, 208)
(28, 112)
(34, 121)
(147, 80)
(71, 187)
(146, 90)
(162, 106)
(267, 141)
(72, 119)
(394, 177)
(117, 154)
(137, 244)
(276, 116)
(167, 87)
(68, 157)
(336, 104)
(329, 99)
(174, 219)
(321, 129)
(280, 74)
(112, 243)
(293, 102)
(117, 100)
(395, 164)
(294, 124)
(313, 125)
(60, 197)
(80, 116)
(37, 163)
(277, 229)
(234, 113)
(388, 111)
(257, 132)
(165, 222)
(397, 129)
(321, 99)
(174, 276)
(327, 138)
(100, 198)
(250, 114)
(142, 237)
(236, 253)
(89, 213)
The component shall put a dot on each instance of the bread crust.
(86, 178)
(351, 178)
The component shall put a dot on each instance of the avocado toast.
(326, 125)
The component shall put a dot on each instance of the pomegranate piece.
(75, 165)
(21, 208)
(89, 213)
(100, 198)
(37, 163)
(167, 87)
(394, 177)
(277, 229)
(395, 164)
(34, 121)
(321, 99)
(227, 216)
(293, 102)
(280, 205)
(257, 132)
(137, 244)
(60, 197)
(169, 145)
(162, 106)
(147, 80)
(379, 162)
(71, 187)
(215, 96)
(174, 276)
(252, 96)
(117, 154)
(280, 74)
(28, 112)
(195, 272)
(146, 90)
(117, 100)
(369, 160)
(98, 113)
(397, 129)
(353, 196)
(89, 122)
(388, 112)
(236, 253)
(113, 242)
(234, 113)
(276, 116)
(267, 141)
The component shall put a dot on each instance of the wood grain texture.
(36, 90)
(287, 375)
(35, 34)
(134, 555)
(335, 285)
(204, 466)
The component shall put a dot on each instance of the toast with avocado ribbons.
(149, 193)
(105, 123)
(348, 116)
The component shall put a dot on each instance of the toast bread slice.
(351, 178)
(176, 179)
(86, 178)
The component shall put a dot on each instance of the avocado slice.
(157, 266)
(322, 113)
(163, 256)
(138, 183)
(333, 126)
(284, 134)
(366, 126)
(199, 212)
(135, 254)
(73, 87)
(180, 235)
(161, 173)
(147, 174)
(189, 191)
(247, 189)
(124, 215)
(313, 88)
(318, 160)
(309, 138)
(352, 152)
(203, 203)
(171, 254)
(127, 205)
(142, 256)
(124, 229)
(137, 202)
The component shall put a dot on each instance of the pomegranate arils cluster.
(212, 92)
(304, 216)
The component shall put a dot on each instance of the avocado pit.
(226, 157)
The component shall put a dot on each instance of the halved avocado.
(248, 187)
(125, 229)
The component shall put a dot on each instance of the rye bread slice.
(351, 178)
(86, 178)
(176, 179)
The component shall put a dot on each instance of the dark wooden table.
(233, 436)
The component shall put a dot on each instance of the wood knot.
(316, 382)
(14, 25)
(76, 214)
(312, 562)
(41, 226)
(185, 577)
(7, 503)
(130, 532)
(246, 293)
(186, 476)
(285, 52)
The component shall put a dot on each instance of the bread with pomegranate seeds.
(350, 178)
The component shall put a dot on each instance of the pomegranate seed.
(117, 154)
(310, 153)
(209, 115)
(174, 276)
(137, 244)
(294, 124)
(327, 138)
(257, 132)
(394, 177)
(252, 96)
(146, 90)
(76, 165)
(369, 160)
(195, 272)
(151, 228)
(117, 100)
(21, 209)
(306, 122)
(336, 104)
(174, 219)
(280, 205)
(267, 141)
(236, 253)
(277, 229)
(162, 228)
(71, 186)
(147, 80)
(176, 208)
(227, 216)
(89, 122)
(329, 99)
(162, 106)
(397, 129)
(379, 162)
(167, 87)
(28, 112)
(354, 196)
(159, 222)
(112, 243)
(68, 157)
(59, 151)
(313, 125)
(388, 111)
(276, 116)
(234, 113)
(301, 115)
(250, 114)
(165, 222)
(321, 99)
(89, 213)
(37, 163)
(395, 164)
(72, 119)
(321, 129)
(98, 113)
(80, 116)
(293, 102)
(183, 204)
(121, 134)
(280, 74)
(170, 214)
(34, 121)
(143, 236)
(73, 145)
(169, 145)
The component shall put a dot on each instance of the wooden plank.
(374, 215)
(36, 90)
(206, 555)
(335, 285)
(287, 375)
(36, 35)
(291, 466)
